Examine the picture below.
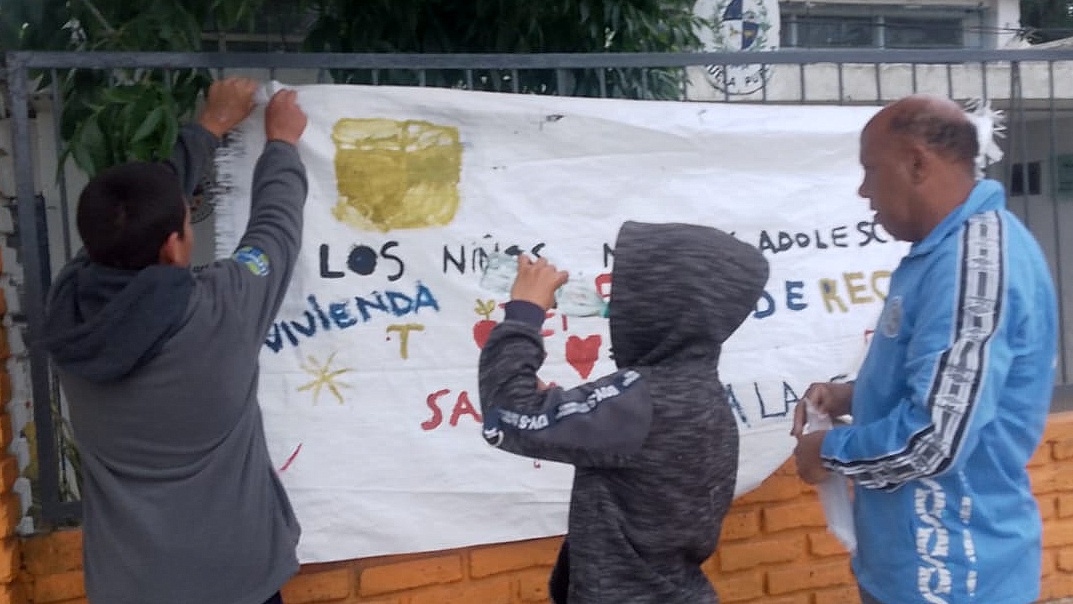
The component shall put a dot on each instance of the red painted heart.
(583, 354)
(481, 330)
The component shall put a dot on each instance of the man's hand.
(284, 119)
(830, 398)
(807, 455)
(229, 102)
(537, 281)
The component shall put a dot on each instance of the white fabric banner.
(369, 375)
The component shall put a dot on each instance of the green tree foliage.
(1047, 20)
(514, 26)
(33, 24)
(111, 117)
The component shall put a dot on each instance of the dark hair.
(952, 136)
(127, 212)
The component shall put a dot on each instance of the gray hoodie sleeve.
(603, 423)
(256, 276)
(192, 155)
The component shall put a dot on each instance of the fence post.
(37, 276)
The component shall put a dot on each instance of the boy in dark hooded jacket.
(654, 445)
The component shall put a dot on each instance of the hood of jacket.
(678, 291)
(102, 323)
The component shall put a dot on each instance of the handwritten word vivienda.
(348, 313)
(867, 232)
(362, 260)
(462, 406)
(475, 257)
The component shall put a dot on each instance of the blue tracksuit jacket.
(948, 406)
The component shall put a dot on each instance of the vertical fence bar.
(1007, 168)
(765, 78)
(601, 77)
(1052, 151)
(879, 85)
(57, 115)
(801, 81)
(560, 81)
(1017, 103)
(841, 85)
(36, 282)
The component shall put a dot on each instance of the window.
(833, 32)
(921, 33)
(1034, 171)
(891, 26)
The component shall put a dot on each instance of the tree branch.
(97, 15)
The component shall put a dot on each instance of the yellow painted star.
(324, 376)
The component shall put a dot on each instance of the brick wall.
(10, 506)
(775, 550)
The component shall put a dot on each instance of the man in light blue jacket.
(952, 399)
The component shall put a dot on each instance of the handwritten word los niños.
(363, 260)
(474, 258)
(348, 313)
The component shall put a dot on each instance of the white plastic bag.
(576, 298)
(834, 491)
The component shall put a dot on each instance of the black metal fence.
(1034, 87)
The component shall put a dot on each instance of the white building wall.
(1005, 17)
(1048, 215)
(879, 84)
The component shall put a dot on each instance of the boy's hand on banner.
(228, 102)
(284, 119)
(537, 281)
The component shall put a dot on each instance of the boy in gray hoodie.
(181, 503)
(654, 445)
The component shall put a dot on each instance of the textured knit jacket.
(654, 445)
(948, 408)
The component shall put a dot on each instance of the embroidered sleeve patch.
(253, 259)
